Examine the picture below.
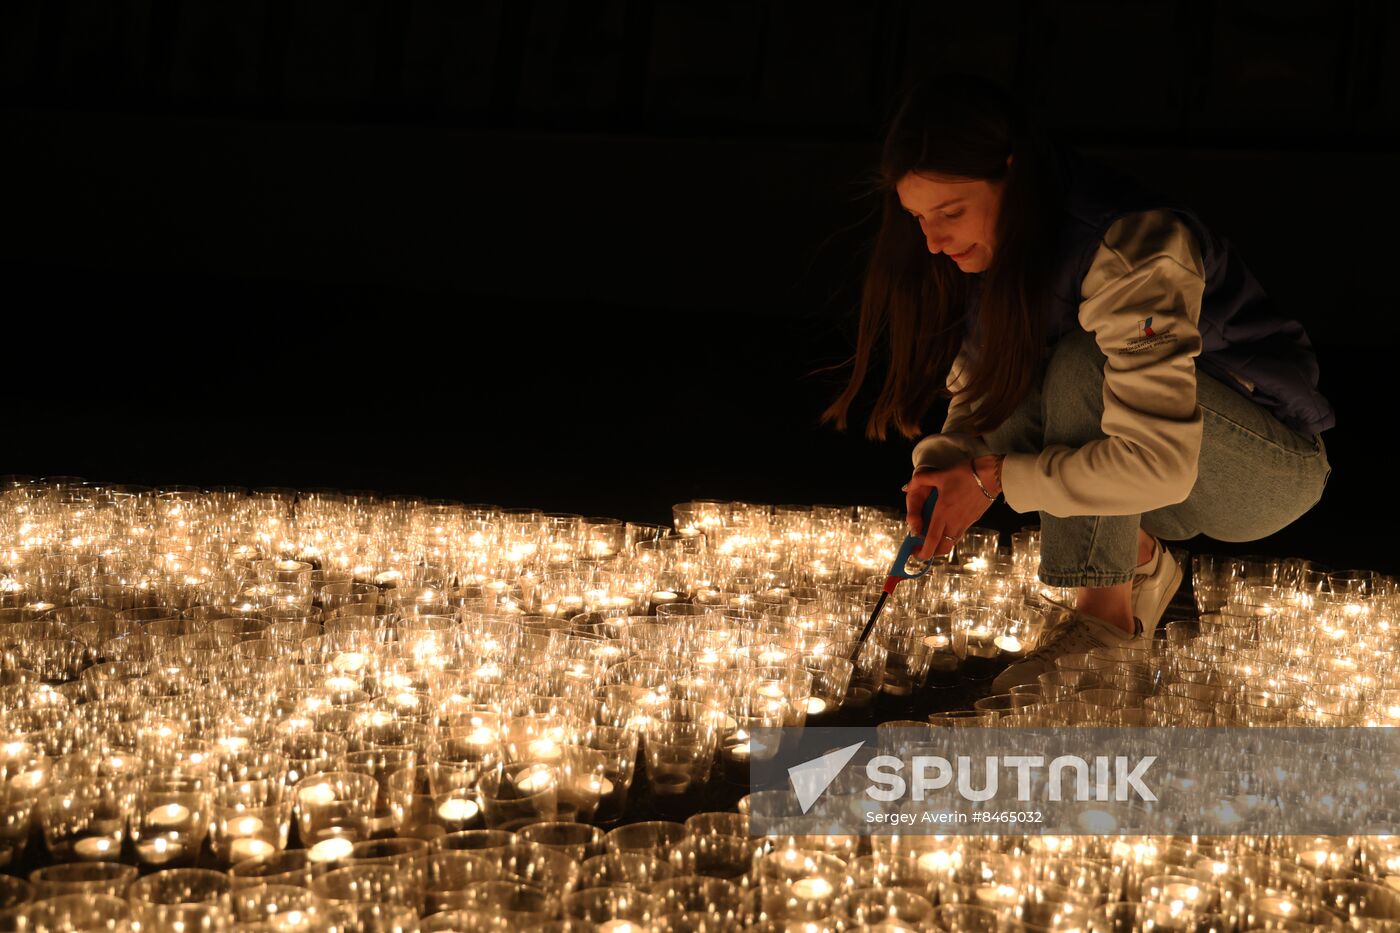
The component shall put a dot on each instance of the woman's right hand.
(961, 503)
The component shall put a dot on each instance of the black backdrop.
(586, 256)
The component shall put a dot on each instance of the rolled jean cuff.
(1084, 578)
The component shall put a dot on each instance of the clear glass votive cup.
(333, 811)
(109, 878)
(576, 840)
(66, 913)
(182, 899)
(513, 796)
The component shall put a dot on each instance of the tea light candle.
(317, 795)
(815, 706)
(482, 736)
(171, 814)
(535, 780)
(95, 847)
(348, 661)
(601, 786)
(606, 653)
(241, 850)
(545, 749)
(1008, 643)
(997, 896)
(330, 850)
(979, 642)
(28, 780)
(619, 926)
(245, 826)
(458, 810)
(1182, 895)
(1277, 907)
(941, 657)
(341, 684)
(812, 889)
(159, 851)
(939, 862)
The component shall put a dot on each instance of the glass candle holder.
(1363, 904)
(616, 908)
(906, 661)
(181, 899)
(618, 746)
(576, 840)
(872, 907)
(65, 913)
(679, 755)
(633, 869)
(722, 856)
(250, 818)
(967, 918)
(799, 885)
(83, 821)
(513, 796)
(941, 640)
(333, 811)
(171, 820)
(510, 902)
(547, 869)
(380, 763)
(583, 781)
(90, 878)
(309, 753)
(355, 885)
(653, 837)
(279, 906)
(462, 855)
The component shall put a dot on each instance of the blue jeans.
(1256, 475)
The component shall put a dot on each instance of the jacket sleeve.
(1141, 299)
(960, 404)
(954, 443)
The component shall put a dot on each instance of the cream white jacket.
(1141, 299)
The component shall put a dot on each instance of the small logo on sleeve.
(1148, 338)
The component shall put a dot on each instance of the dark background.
(584, 256)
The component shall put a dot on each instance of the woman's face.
(958, 216)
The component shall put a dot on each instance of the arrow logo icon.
(811, 778)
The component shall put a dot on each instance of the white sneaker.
(1076, 633)
(1154, 585)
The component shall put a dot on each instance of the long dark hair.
(914, 305)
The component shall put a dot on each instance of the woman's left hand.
(961, 503)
